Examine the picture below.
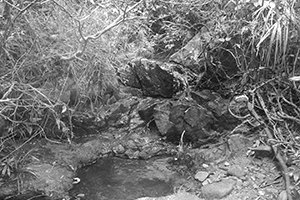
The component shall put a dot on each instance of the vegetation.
(59, 56)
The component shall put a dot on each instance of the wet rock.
(218, 190)
(178, 196)
(237, 171)
(201, 175)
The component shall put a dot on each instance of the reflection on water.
(120, 179)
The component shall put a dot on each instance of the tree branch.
(85, 39)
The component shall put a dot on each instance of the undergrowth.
(59, 57)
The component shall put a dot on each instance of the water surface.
(122, 179)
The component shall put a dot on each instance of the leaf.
(8, 171)
(4, 170)
(65, 129)
(64, 109)
(296, 177)
(35, 119)
(29, 129)
(57, 120)
(295, 78)
(282, 195)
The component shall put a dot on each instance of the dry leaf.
(282, 195)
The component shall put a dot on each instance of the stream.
(114, 178)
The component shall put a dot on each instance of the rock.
(119, 149)
(151, 78)
(146, 108)
(178, 196)
(201, 175)
(218, 106)
(194, 120)
(172, 118)
(212, 154)
(218, 190)
(48, 178)
(186, 55)
(236, 171)
(132, 154)
(239, 144)
(162, 117)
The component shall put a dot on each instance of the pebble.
(236, 171)
(201, 175)
(206, 182)
(205, 165)
(218, 190)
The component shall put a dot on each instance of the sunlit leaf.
(294, 78)
(296, 177)
(29, 129)
(57, 120)
(282, 195)
(64, 109)
(4, 170)
(8, 171)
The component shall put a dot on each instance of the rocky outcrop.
(151, 78)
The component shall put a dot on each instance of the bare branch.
(85, 39)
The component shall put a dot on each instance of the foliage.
(48, 50)
(54, 51)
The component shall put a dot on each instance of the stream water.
(123, 179)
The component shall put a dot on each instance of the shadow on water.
(121, 179)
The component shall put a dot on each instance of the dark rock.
(192, 120)
(218, 106)
(146, 109)
(154, 81)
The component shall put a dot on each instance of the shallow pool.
(123, 179)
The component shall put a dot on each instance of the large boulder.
(152, 78)
(179, 119)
